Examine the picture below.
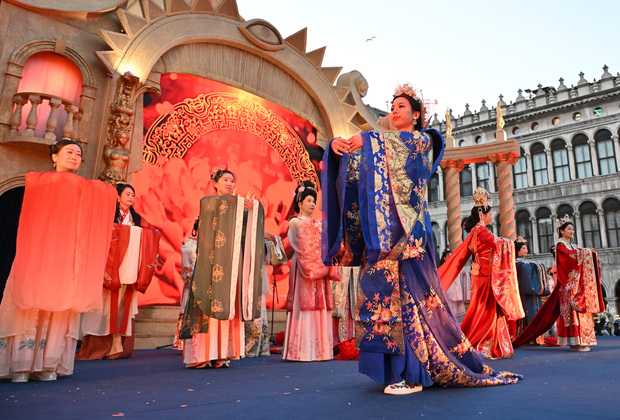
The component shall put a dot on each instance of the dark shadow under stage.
(155, 384)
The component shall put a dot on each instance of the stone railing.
(69, 130)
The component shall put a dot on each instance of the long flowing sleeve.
(342, 238)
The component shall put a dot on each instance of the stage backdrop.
(197, 125)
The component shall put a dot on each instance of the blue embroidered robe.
(375, 215)
(533, 284)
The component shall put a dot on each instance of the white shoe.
(46, 375)
(402, 388)
(20, 377)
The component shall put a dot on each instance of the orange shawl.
(62, 242)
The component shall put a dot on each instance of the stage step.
(156, 325)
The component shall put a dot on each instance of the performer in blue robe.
(375, 214)
(533, 284)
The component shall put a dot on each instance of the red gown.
(577, 295)
(580, 294)
(495, 295)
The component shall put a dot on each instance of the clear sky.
(456, 51)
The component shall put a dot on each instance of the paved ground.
(154, 384)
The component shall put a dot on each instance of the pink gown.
(309, 333)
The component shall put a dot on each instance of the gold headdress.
(563, 220)
(406, 89)
(520, 240)
(481, 197)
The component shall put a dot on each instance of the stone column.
(579, 235)
(492, 187)
(440, 191)
(554, 219)
(616, 141)
(494, 228)
(571, 161)
(594, 158)
(504, 163)
(550, 168)
(474, 176)
(602, 228)
(535, 244)
(451, 169)
(530, 169)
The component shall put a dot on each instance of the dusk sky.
(457, 52)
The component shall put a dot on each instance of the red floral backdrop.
(197, 125)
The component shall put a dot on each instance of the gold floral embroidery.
(220, 239)
(224, 207)
(216, 306)
(218, 273)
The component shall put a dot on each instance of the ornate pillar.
(451, 169)
(504, 163)
(579, 235)
(494, 228)
(550, 168)
(440, 191)
(571, 162)
(601, 228)
(594, 158)
(534, 223)
(120, 126)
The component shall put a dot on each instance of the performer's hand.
(355, 143)
(270, 237)
(339, 145)
(247, 203)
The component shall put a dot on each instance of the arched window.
(539, 162)
(445, 235)
(465, 181)
(611, 207)
(581, 149)
(478, 140)
(436, 242)
(566, 210)
(482, 172)
(605, 150)
(53, 74)
(590, 226)
(520, 172)
(545, 229)
(433, 188)
(524, 227)
(461, 143)
(560, 160)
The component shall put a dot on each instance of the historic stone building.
(570, 155)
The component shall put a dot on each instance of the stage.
(155, 384)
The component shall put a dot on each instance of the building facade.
(568, 165)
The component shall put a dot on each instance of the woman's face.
(522, 251)
(126, 199)
(402, 115)
(568, 233)
(225, 185)
(68, 159)
(306, 207)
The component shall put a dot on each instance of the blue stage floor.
(154, 384)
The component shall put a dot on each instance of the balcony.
(34, 135)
